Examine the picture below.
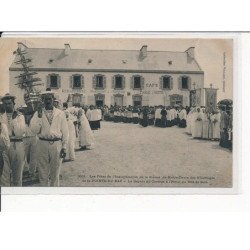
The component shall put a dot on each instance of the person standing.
(70, 151)
(5, 179)
(85, 133)
(215, 119)
(158, 116)
(197, 123)
(144, 121)
(163, 118)
(15, 123)
(50, 125)
(205, 124)
(183, 118)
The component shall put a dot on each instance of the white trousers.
(16, 160)
(30, 152)
(49, 162)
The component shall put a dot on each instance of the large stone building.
(108, 77)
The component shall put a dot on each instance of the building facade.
(109, 77)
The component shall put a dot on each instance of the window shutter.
(48, 81)
(94, 82)
(71, 81)
(82, 81)
(189, 82)
(123, 82)
(113, 82)
(132, 83)
(104, 82)
(171, 82)
(161, 82)
(112, 100)
(142, 82)
(179, 82)
(59, 81)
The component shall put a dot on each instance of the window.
(118, 82)
(137, 82)
(184, 82)
(99, 82)
(77, 81)
(53, 81)
(166, 82)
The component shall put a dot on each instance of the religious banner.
(195, 98)
(211, 98)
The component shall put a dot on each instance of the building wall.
(152, 94)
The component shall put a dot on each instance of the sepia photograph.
(126, 111)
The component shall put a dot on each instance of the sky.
(214, 55)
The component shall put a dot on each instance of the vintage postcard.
(131, 111)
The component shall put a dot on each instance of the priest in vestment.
(85, 133)
(215, 120)
(197, 124)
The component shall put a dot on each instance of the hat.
(8, 96)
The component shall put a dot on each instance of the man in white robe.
(197, 124)
(70, 151)
(215, 120)
(15, 123)
(85, 133)
(50, 125)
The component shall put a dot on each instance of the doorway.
(118, 100)
(99, 100)
(137, 100)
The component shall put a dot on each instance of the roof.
(111, 60)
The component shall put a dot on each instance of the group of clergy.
(39, 136)
(210, 125)
(158, 116)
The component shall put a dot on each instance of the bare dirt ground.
(130, 155)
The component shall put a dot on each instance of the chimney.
(190, 52)
(66, 49)
(143, 52)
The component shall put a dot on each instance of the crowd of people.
(158, 116)
(39, 136)
(200, 122)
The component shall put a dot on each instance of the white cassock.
(189, 122)
(85, 133)
(215, 119)
(168, 114)
(70, 151)
(205, 126)
(158, 113)
(172, 114)
(183, 114)
(197, 125)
